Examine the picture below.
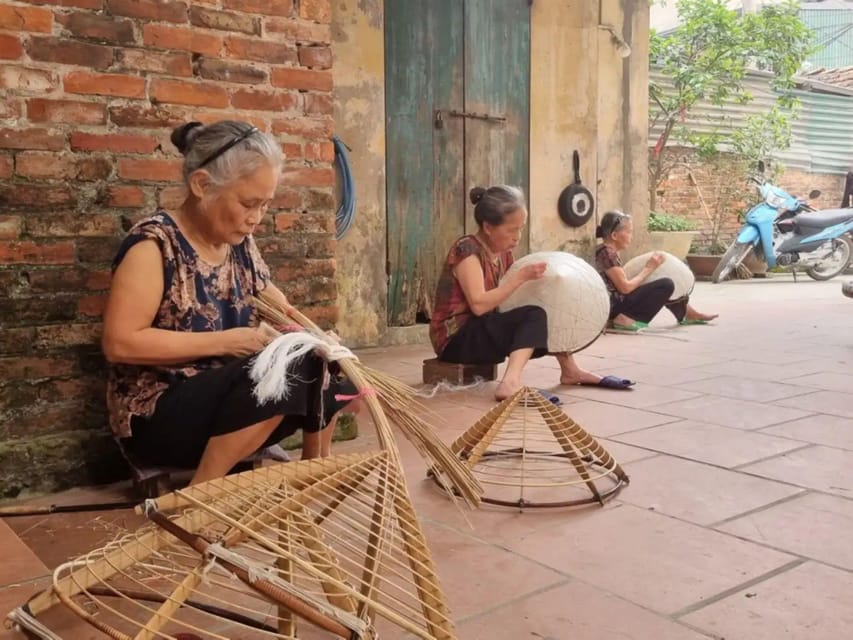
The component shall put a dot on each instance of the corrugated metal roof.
(821, 140)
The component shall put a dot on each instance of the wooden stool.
(151, 481)
(435, 370)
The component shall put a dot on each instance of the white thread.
(432, 391)
(149, 506)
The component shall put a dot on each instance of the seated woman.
(633, 303)
(466, 327)
(180, 327)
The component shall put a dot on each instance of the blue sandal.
(611, 382)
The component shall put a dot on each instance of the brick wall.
(90, 91)
(693, 182)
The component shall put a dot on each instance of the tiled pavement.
(738, 520)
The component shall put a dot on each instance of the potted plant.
(671, 233)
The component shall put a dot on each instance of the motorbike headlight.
(775, 200)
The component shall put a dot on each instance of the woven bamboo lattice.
(526, 452)
(332, 542)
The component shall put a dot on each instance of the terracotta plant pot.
(675, 242)
(702, 266)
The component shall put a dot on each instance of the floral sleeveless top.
(197, 296)
(451, 309)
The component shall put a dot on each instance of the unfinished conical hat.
(526, 452)
(671, 268)
(572, 294)
(324, 548)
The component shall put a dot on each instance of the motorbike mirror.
(814, 193)
(761, 166)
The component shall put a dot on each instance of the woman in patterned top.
(466, 327)
(180, 327)
(633, 304)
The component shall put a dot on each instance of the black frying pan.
(575, 204)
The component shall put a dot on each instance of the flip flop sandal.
(611, 382)
(552, 398)
(634, 327)
(689, 321)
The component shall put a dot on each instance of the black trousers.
(644, 302)
(220, 400)
(491, 337)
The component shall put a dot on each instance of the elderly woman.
(633, 302)
(467, 328)
(180, 328)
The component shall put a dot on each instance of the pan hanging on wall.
(575, 204)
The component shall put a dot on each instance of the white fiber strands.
(270, 367)
(671, 268)
(572, 294)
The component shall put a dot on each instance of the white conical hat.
(671, 268)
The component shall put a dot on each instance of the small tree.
(707, 57)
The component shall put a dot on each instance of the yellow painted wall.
(583, 96)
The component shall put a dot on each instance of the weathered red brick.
(305, 127)
(143, 115)
(209, 117)
(30, 368)
(292, 270)
(64, 51)
(106, 29)
(36, 253)
(300, 31)
(105, 84)
(319, 245)
(316, 56)
(260, 50)
(259, 100)
(10, 227)
(166, 37)
(21, 18)
(267, 7)
(310, 176)
(36, 195)
(171, 197)
(97, 250)
(287, 199)
(10, 109)
(319, 104)
(46, 139)
(71, 225)
(324, 315)
(307, 79)
(212, 69)
(37, 164)
(150, 169)
(99, 280)
(172, 64)
(317, 10)
(159, 10)
(123, 196)
(10, 47)
(224, 20)
(66, 111)
(195, 93)
(67, 335)
(304, 222)
(92, 306)
(80, 4)
(94, 168)
(22, 79)
(318, 200)
(292, 150)
(7, 166)
(116, 142)
(322, 151)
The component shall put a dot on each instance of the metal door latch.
(453, 113)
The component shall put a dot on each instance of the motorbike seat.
(823, 219)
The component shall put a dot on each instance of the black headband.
(213, 156)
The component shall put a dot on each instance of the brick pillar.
(90, 91)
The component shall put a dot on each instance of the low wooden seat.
(435, 370)
(152, 481)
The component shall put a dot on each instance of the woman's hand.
(654, 261)
(532, 271)
(245, 341)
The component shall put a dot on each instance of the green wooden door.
(453, 57)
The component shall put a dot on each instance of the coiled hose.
(346, 210)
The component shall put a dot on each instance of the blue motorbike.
(786, 231)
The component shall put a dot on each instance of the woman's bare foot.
(580, 377)
(692, 314)
(506, 389)
(623, 320)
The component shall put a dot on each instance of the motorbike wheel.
(733, 256)
(841, 244)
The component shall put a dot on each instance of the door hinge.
(453, 113)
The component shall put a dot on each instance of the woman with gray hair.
(180, 326)
(467, 328)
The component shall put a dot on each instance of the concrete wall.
(358, 43)
(583, 96)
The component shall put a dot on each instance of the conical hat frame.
(346, 612)
(496, 438)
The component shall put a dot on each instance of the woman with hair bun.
(180, 326)
(467, 328)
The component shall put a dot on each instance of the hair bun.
(476, 194)
(599, 232)
(184, 136)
